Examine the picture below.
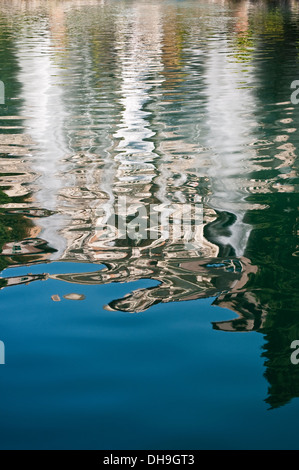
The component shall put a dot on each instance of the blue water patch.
(166, 108)
(84, 377)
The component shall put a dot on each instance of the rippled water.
(135, 343)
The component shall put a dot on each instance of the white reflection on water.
(44, 112)
(230, 129)
(126, 158)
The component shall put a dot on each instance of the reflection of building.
(28, 246)
(251, 313)
(179, 279)
(18, 280)
(137, 138)
(16, 175)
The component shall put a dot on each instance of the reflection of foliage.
(273, 240)
(273, 24)
(270, 23)
(281, 374)
(243, 47)
(12, 228)
(271, 247)
(8, 73)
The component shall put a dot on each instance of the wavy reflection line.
(42, 106)
(229, 131)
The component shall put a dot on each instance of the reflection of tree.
(243, 43)
(269, 301)
(15, 229)
(11, 227)
(8, 73)
(272, 246)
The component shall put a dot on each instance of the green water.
(148, 343)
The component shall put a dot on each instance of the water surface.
(123, 343)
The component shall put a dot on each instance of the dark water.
(149, 344)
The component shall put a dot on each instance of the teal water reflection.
(141, 343)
